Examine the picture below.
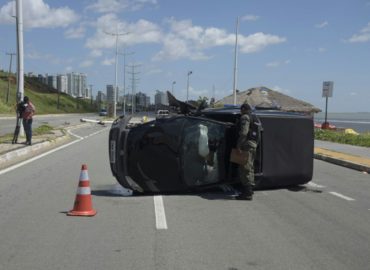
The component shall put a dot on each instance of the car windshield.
(202, 152)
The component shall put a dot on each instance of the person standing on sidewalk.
(248, 144)
(27, 115)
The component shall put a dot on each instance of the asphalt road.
(323, 225)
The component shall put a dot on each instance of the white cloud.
(322, 50)
(273, 64)
(353, 94)
(179, 39)
(108, 6)
(187, 41)
(258, 41)
(277, 64)
(37, 14)
(132, 33)
(87, 63)
(322, 25)
(35, 55)
(363, 36)
(73, 33)
(96, 53)
(108, 62)
(250, 17)
(68, 69)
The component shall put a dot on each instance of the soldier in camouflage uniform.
(245, 143)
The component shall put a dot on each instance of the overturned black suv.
(191, 151)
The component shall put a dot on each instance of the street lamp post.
(173, 83)
(115, 90)
(187, 91)
(124, 79)
(235, 62)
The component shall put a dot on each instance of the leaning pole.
(20, 71)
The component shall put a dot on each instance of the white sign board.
(327, 89)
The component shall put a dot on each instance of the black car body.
(184, 152)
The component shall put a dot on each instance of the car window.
(202, 152)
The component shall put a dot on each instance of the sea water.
(359, 122)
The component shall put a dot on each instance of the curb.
(343, 163)
(24, 151)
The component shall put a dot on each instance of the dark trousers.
(27, 125)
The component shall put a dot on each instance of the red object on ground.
(326, 125)
(83, 202)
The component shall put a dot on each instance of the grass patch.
(41, 130)
(362, 139)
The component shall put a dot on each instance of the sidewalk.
(350, 156)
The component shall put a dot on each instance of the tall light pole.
(10, 70)
(124, 78)
(20, 68)
(173, 83)
(187, 91)
(115, 90)
(236, 60)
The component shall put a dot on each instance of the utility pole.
(124, 79)
(187, 88)
(20, 76)
(91, 87)
(9, 72)
(115, 90)
(133, 87)
(236, 60)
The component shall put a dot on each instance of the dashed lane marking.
(312, 184)
(341, 196)
(160, 215)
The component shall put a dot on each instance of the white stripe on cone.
(83, 191)
(84, 176)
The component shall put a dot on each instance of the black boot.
(247, 194)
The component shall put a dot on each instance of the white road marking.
(160, 215)
(77, 136)
(37, 157)
(312, 184)
(341, 196)
(46, 153)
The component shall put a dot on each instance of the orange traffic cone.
(83, 202)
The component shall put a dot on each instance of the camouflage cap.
(245, 106)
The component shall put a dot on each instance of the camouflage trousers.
(246, 171)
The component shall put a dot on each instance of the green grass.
(43, 97)
(39, 131)
(362, 139)
(43, 129)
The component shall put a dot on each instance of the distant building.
(62, 83)
(110, 93)
(101, 97)
(77, 84)
(160, 98)
(141, 100)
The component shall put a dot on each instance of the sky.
(289, 46)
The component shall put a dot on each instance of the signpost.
(327, 91)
